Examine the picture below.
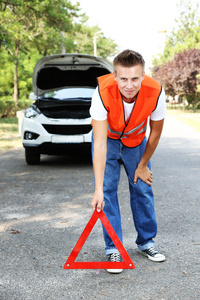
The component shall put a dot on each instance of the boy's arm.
(142, 170)
(99, 161)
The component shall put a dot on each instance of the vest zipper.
(124, 117)
(130, 115)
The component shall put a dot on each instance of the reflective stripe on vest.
(143, 130)
(130, 132)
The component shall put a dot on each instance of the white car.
(63, 86)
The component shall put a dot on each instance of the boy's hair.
(128, 58)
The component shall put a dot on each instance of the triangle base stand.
(125, 264)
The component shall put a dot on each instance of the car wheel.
(32, 156)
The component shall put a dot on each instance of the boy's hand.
(144, 174)
(97, 201)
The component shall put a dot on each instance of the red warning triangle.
(126, 264)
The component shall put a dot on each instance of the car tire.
(32, 156)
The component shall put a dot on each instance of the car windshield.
(70, 93)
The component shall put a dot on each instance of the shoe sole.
(114, 271)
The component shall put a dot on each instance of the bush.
(24, 104)
(8, 107)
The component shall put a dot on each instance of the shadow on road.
(75, 155)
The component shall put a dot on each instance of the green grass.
(187, 117)
(9, 134)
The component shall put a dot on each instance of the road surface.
(44, 209)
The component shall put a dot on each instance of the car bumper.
(44, 140)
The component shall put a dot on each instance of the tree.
(180, 75)
(185, 35)
(24, 20)
(165, 75)
(31, 29)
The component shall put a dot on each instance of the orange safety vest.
(132, 133)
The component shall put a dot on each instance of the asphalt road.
(44, 209)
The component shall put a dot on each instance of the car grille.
(75, 112)
(67, 129)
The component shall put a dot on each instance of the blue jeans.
(141, 195)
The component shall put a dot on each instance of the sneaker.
(152, 254)
(114, 257)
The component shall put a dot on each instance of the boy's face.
(129, 80)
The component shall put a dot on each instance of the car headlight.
(32, 112)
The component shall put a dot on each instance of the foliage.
(178, 67)
(6, 73)
(25, 70)
(198, 85)
(8, 107)
(179, 76)
(185, 35)
(25, 21)
(31, 29)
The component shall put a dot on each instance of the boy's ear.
(114, 73)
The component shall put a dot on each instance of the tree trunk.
(62, 45)
(15, 95)
(195, 101)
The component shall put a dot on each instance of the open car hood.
(68, 70)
